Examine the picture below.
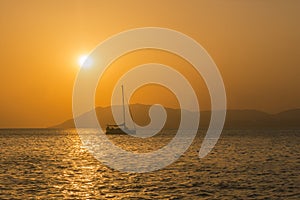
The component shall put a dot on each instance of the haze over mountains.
(235, 119)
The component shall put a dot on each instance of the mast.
(123, 107)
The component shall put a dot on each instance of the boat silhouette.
(120, 128)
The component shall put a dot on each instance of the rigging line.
(129, 110)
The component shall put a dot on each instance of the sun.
(82, 59)
(85, 61)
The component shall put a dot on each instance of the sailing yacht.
(116, 128)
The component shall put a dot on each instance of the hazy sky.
(255, 43)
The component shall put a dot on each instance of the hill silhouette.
(235, 119)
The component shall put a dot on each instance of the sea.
(244, 164)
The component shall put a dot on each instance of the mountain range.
(235, 119)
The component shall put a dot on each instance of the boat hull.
(118, 131)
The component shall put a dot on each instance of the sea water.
(245, 164)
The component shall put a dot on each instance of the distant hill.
(235, 119)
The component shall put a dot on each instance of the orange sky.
(255, 44)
